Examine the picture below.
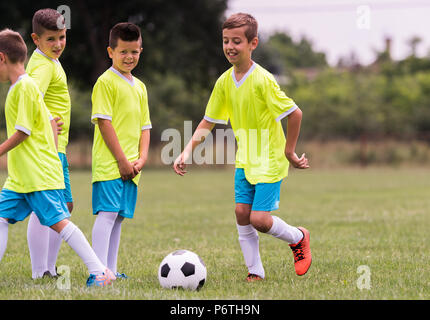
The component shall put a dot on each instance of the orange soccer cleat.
(302, 253)
(253, 277)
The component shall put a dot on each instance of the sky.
(340, 27)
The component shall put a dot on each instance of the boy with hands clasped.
(121, 141)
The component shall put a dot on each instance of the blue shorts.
(115, 196)
(262, 196)
(48, 205)
(68, 190)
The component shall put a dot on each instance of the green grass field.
(376, 217)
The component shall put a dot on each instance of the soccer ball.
(182, 269)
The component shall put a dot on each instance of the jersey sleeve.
(276, 100)
(144, 112)
(216, 109)
(102, 102)
(26, 112)
(42, 75)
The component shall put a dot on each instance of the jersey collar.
(239, 83)
(130, 82)
(18, 80)
(43, 54)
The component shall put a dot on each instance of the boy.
(49, 35)
(35, 178)
(121, 140)
(249, 96)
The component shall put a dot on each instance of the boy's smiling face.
(51, 43)
(236, 47)
(126, 55)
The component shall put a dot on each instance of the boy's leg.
(101, 234)
(74, 237)
(249, 240)
(265, 201)
(248, 237)
(264, 222)
(55, 240)
(4, 227)
(38, 243)
(114, 244)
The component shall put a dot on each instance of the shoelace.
(298, 252)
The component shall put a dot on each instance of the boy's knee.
(242, 212)
(261, 221)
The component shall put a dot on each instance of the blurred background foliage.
(182, 57)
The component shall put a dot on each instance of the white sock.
(101, 234)
(38, 242)
(4, 230)
(54, 245)
(77, 241)
(114, 244)
(281, 230)
(249, 243)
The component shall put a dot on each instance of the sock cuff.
(68, 230)
(246, 232)
(108, 216)
(274, 230)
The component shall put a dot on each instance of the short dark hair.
(126, 31)
(238, 20)
(47, 19)
(13, 46)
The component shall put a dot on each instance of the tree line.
(182, 58)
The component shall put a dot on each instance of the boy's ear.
(2, 57)
(254, 43)
(35, 38)
(110, 52)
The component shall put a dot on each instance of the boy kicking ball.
(35, 179)
(250, 98)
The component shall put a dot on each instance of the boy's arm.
(12, 142)
(145, 138)
(202, 130)
(109, 136)
(293, 130)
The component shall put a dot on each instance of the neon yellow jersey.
(254, 105)
(51, 79)
(34, 164)
(125, 103)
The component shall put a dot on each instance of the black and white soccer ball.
(182, 269)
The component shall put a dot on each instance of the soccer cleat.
(253, 277)
(121, 275)
(302, 253)
(101, 280)
(48, 274)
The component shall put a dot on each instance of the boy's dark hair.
(126, 31)
(47, 19)
(238, 20)
(13, 46)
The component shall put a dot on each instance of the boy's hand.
(179, 164)
(126, 170)
(59, 125)
(296, 162)
(138, 165)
